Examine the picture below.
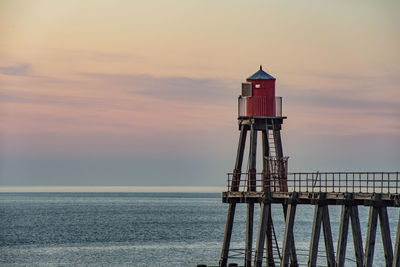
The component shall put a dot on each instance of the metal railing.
(328, 182)
(260, 107)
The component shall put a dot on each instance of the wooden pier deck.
(349, 190)
(314, 198)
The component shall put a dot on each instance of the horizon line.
(111, 189)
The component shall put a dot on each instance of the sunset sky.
(144, 93)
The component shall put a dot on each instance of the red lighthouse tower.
(259, 111)
(258, 96)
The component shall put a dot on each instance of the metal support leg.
(249, 234)
(326, 225)
(268, 243)
(396, 259)
(386, 239)
(342, 240)
(252, 159)
(232, 206)
(227, 237)
(262, 227)
(266, 187)
(288, 235)
(371, 234)
(316, 230)
(357, 237)
(239, 159)
(279, 154)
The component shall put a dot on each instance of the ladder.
(272, 153)
(271, 143)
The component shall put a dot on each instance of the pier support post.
(316, 230)
(227, 237)
(371, 234)
(268, 243)
(396, 259)
(249, 234)
(357, 237)
(239, 159)
(385, 232)
(234, 187)
(288, 239)
(266, 183)
(342, 239)
(283, 187)
(251, 187)
(321, 216)
(262, 227)
(326, 225)
(266, 186)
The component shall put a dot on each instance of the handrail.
(314, 182)
(243, 105)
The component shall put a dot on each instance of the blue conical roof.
(261, 75)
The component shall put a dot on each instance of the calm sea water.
(137, 229)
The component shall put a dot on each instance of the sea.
(142, 229)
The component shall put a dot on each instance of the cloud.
(329, 99)
(103, 90)
(95, 55)
(23, 69)
(379, 77)
(26, 97)
(204, 90)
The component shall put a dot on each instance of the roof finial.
(260, 67)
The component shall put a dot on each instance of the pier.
(377, 190)
(260, 111)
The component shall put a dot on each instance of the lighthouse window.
(246, 89)
(257, 86)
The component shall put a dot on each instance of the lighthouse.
(259, 111)
(258, 96)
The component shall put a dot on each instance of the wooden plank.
(227, 237)
(371, 234)
(262, 227)
(357, 237)
(326, 223)
(385, 232)
(249, 234)
(361, 199)
(288, 235)
(342, 239)
(396, 259)
(316, 230)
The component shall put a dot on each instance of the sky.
(144, 93)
